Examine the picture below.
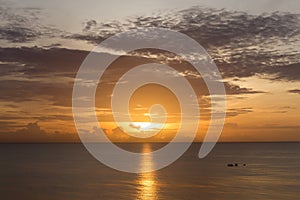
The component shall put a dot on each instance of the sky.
(255, 45)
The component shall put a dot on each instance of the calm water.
(68, 171)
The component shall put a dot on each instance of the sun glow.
(141, 129)
(141, 125)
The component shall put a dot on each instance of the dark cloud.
(296, 91)
(22, 91)
(36, 62)
(27, 74)
(89, 25)
(32, 132)
(31, 128)
(90, 38)
(135, 127)
(287, 72)
(16, 27)
(14, 33)
(7, 125)
(241, 44)
(232, 89)
(23, 25)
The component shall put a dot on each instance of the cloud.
(241, 44)
(118, 135)
(18, 34)
(295, 91)
(29, 73)
(32, 132)
(232, 89)
(138, 127)
(32, 128)
(23, 25)
(89, 25)
(33, 61)
(232, 112)
(6, 125)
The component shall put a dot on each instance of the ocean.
(68, 171)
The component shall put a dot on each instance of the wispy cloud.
(296, 91)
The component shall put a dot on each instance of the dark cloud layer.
(295, 91)
(209, 27)
(32, 132)
(241, 44)
(36, 62)
(33, 72)
(27, 74)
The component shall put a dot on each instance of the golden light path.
(147, 183)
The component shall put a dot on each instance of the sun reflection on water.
(147, 184)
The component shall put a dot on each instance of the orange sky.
(259, 64)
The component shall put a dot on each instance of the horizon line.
(146, 142)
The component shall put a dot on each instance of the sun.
(141, 125)
(141, 129)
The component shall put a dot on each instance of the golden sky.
(257, 55)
